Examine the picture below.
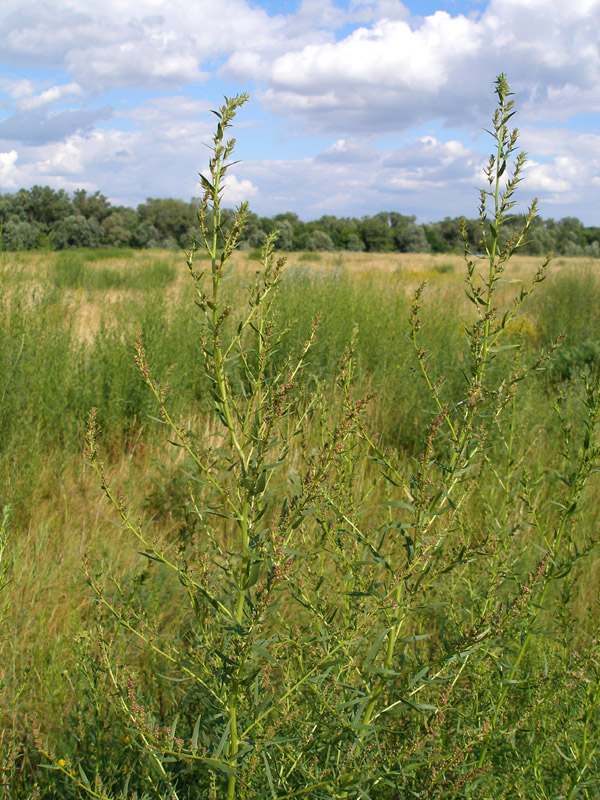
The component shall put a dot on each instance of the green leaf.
(222, 766)
(398, 504)
(562, 478)
(258, 648)
(504, 347)
(375, 648)
(260, 484)
(173, 730)
(420, 674)
(151, 558)
(196, 732)
(269, 776)
(84, 777)
(253, 574)
(416, 638)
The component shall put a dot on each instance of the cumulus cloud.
(369, 10)
(161, 156)
(565, 168)
(126, 42)
(394, 73)
(347, 152)
(37, 126)
(27, 97)
(237, 191)
(351, 73)
(347, 179)
(426, 176)
(8, 170)
(158, 109)
(28, 100)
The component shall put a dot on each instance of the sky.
(356, 106)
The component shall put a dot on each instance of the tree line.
(42, 217)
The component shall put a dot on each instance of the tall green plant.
(235, 575)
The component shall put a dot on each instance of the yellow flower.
(61, 762)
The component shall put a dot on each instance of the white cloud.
(125, 43)
(428, 154)
(370, 10)
(352, 179)
(394, 72)
(549, 141)
(319, 74)
(565, 168)
(173, 106)
(348, 151)
(134, 64)
(555, 178)
(397, 72)
(42, 125)
(160, 158)
(8, 170)
(29, 101)
(237, 191)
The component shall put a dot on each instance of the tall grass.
(354, 553)
(74, 270)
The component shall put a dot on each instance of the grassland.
(67, 326)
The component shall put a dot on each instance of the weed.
(334, 617)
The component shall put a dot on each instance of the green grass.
(312, 258)
(53, 376)
(74, 270)
(106, 253)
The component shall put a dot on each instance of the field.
(68, 324)
(324, 529)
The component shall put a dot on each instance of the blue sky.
(356, 107)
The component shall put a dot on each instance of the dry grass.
(88, 308)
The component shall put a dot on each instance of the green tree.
(20, 235)
(119, 226)
(77, 231)
(145, 235)
(285, 240)
(436, 242)
(449, 231)
(95, 205)
(254, 233)
(171, 218)
(47, 206)
(412, 239)
(376, 234)
(354, 243)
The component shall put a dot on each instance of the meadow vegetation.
(329, 531)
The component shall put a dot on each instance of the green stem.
(233, 743)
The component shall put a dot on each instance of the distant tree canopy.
(44, 218)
